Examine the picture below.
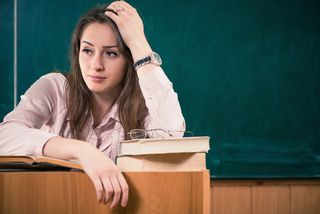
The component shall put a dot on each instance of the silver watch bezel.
(155, 58)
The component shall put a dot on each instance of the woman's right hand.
(105, 176)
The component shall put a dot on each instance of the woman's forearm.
(65, 148)
(105, 176)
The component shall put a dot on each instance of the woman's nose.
(97, 63)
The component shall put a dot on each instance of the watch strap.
(142, 62)
(153, 58)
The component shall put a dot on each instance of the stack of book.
(170, 154)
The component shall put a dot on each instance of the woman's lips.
(97, 78)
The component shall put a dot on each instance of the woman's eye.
(110, 54)
(87, 51)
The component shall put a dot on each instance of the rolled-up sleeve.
(20, 132)
(161, 101)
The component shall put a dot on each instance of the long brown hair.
(131, 103)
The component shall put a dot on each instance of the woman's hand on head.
(106, 177)
(130, 27)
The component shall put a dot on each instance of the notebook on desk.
(31, 163)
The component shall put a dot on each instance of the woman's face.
(102, 66)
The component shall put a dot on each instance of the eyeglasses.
(142, 134)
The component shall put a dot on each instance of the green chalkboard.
(6, 57)
(247, 73)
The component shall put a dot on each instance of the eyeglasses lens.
(137, 134)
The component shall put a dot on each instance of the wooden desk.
(73, 192)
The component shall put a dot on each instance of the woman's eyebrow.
(107, 46)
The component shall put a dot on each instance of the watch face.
(157, 58)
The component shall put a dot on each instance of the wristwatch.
(153, 58)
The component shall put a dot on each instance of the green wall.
(6, 57)
(247, 73)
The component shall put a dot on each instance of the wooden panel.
(231, 199)
(19, 192)
(267, 196)
(211, 197)
(169, 192)
(270, 199)
(206, 194)
(305, 199)
(72, 192)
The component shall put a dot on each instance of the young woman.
(115, 85)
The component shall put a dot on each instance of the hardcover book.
(170, 154)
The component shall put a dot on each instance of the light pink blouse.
(42, 114)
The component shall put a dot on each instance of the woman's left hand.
(130, 27)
